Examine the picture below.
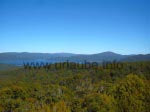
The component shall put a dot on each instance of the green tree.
(129, 94)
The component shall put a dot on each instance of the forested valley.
(81, 90)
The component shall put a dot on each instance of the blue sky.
(75, 26)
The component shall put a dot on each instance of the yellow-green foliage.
(104, 90)
(130, 94)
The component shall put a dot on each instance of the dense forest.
(76, 90)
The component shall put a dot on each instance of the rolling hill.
(18, 58)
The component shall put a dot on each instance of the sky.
(75, 26)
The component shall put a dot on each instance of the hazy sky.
(76, 26)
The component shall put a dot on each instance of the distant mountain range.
(19, 58)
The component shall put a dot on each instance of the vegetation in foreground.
(103, 90)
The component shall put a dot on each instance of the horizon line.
(76, 53)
